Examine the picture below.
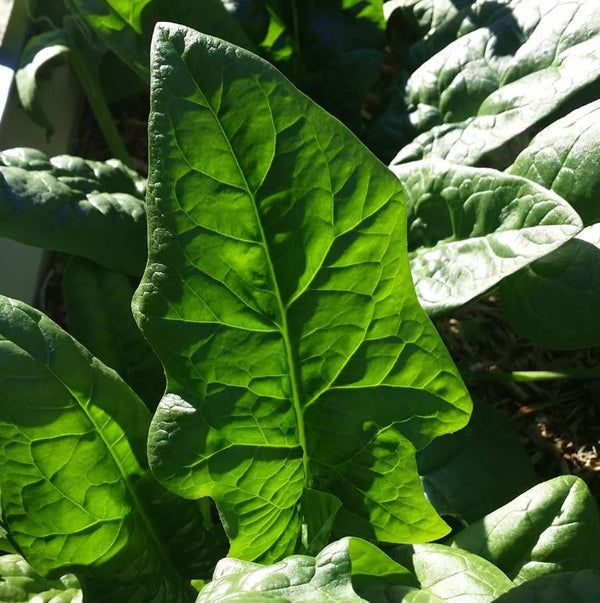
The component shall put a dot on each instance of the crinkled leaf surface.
(74, 484)
(69, 204)
(472, 472)
(126, 25)
(426, 15)
(571, 587)
(471, 227)
(98, 305)
(554, 527)
(20, 584)
(554, 301)
(333, 575)
(475, 99)
(278, 297)
(456, 575)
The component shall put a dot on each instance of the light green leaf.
(574, 587)
(554, 527)
(471, 227)
(470, 473)
(98, 305)
(458, 576)
(485, 86)
(279, 300)
(554, 301)
(73, 466)
(69, 204)
(20, 584)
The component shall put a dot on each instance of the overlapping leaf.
(554, 301)
(278, 298)
(75, 488)
(98, 305)
(69, 204)
(552, 528)
(477, 98)
(471, 227)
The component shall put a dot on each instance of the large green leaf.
(426, 16)
(470, 473)
(98, 304)
(69, 204)
(554, 527)
(471, 227)
(333, 575)
(75, 490)
(279, 299)
(20, 584)
(456, 575)
(476, 99)
(574, 587)
(554, 301)
(126, 25)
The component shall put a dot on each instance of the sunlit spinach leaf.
(335, 574)
(471, 227)
(476, 100)
(552, 528)
(75, 488)
(69, 204)
(279, 300)
(20, 584)
(555, 300)
(98, 305)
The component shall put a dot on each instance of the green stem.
(525, 376)
(95, 96)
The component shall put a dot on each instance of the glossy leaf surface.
(20, 584)
(69, 204)
(552, 528)
(575, 587)
(98, 305)
(454, 574)
(475, 99)
(279, 299)
(471, 227)
(470, 473)
(75, 489)
(555, 300)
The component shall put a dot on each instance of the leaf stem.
(526, 376)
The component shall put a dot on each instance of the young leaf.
(20, 584)
(554, 527)
(471, 227)
(69, 204)
(453, 574)
(470, 473)
(579, 587)
(73, 467)
(329, 576)
(98, 305)
(484, 86)
(279, 299)
(563, 288)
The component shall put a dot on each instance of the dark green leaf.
(554, 527)
(472, 472)
(484, 86)
(20, 584)
(471, 227)
(554, 301)
(98, 304)
(279, 299)
(70, 204)
(319, 510)
(573, 587)
(72, 457)
(454, 574)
